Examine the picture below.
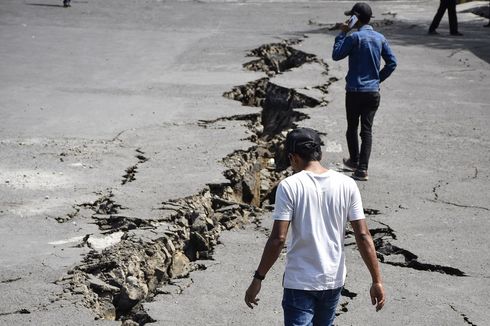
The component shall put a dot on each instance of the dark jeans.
(363, 106)
(306, 308)
(450, 5)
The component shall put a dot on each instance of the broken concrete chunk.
(134, 290)
(104, 242)
(169, 245)
(99, 285)
(180, 265)
(107, 309)
(200, 224)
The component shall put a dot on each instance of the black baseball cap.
(362, 10)
(302, 140)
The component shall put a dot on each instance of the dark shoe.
(432, 33)
(457, 34)
(487, 25)
(349, 164)
(66, 4)
(360, 175)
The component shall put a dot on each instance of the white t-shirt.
(318, 206)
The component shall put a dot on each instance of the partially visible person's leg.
(488, 25)
(353, 113)
(437, 18)
(371, 104)
(299, 307)
(325, 307)
(453, 18)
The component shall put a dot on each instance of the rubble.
(279, 57)
(114, 281)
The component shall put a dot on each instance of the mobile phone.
(352, 21)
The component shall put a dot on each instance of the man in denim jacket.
(365, 48)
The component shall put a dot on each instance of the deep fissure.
(279, 57)
(116, 281)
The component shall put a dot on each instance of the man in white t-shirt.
(316, 203)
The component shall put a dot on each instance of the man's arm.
(368, 254)
(272, 250)
(390, 62)
(343, 44)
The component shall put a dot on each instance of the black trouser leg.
(353, 114)
(361, 105)
(437, 18)
(367, 118)
(453, 19)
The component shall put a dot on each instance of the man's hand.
(251, 293)
(377, 295)
(344, 27)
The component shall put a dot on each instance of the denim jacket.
(365, 49)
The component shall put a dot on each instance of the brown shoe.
(360, 175)
(349, 164)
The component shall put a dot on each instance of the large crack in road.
(149, 254)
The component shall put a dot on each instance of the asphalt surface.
(85, 90)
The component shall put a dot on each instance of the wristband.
(258, 276)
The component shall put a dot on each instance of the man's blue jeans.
(305, 308)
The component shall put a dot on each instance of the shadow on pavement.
(44, 5)
(476, 38)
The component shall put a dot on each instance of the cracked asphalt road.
(83, 89)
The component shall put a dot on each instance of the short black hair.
(305, 142)
(313, 155)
